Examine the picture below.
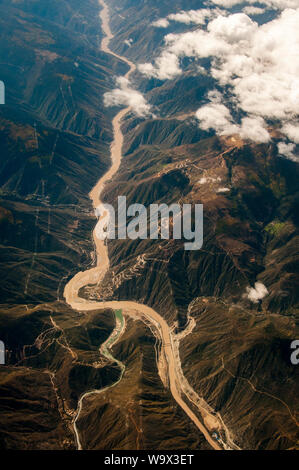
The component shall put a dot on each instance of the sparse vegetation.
(275, 227)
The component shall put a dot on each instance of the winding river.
(169, 344)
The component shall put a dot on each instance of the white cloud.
(201, 70)
(233, 28)
(254, 128)
(278, 4)
(256, 293)
(192, 16)
(251, 10)
(287, 150)
(216, 116)
(257, 65)
(124, 95)
(129, 42)
(291, 130)
(167, 67)
(227, 3)
(191, 44)
(188, 17)
(161, 23)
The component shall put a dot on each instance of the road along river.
(178, 385)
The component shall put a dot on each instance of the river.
(178, 385)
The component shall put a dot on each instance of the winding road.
(96, 274)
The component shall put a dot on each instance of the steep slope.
(54, 146)
(250, 197)
(55, 137)
(125, 416)
(250, 200)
